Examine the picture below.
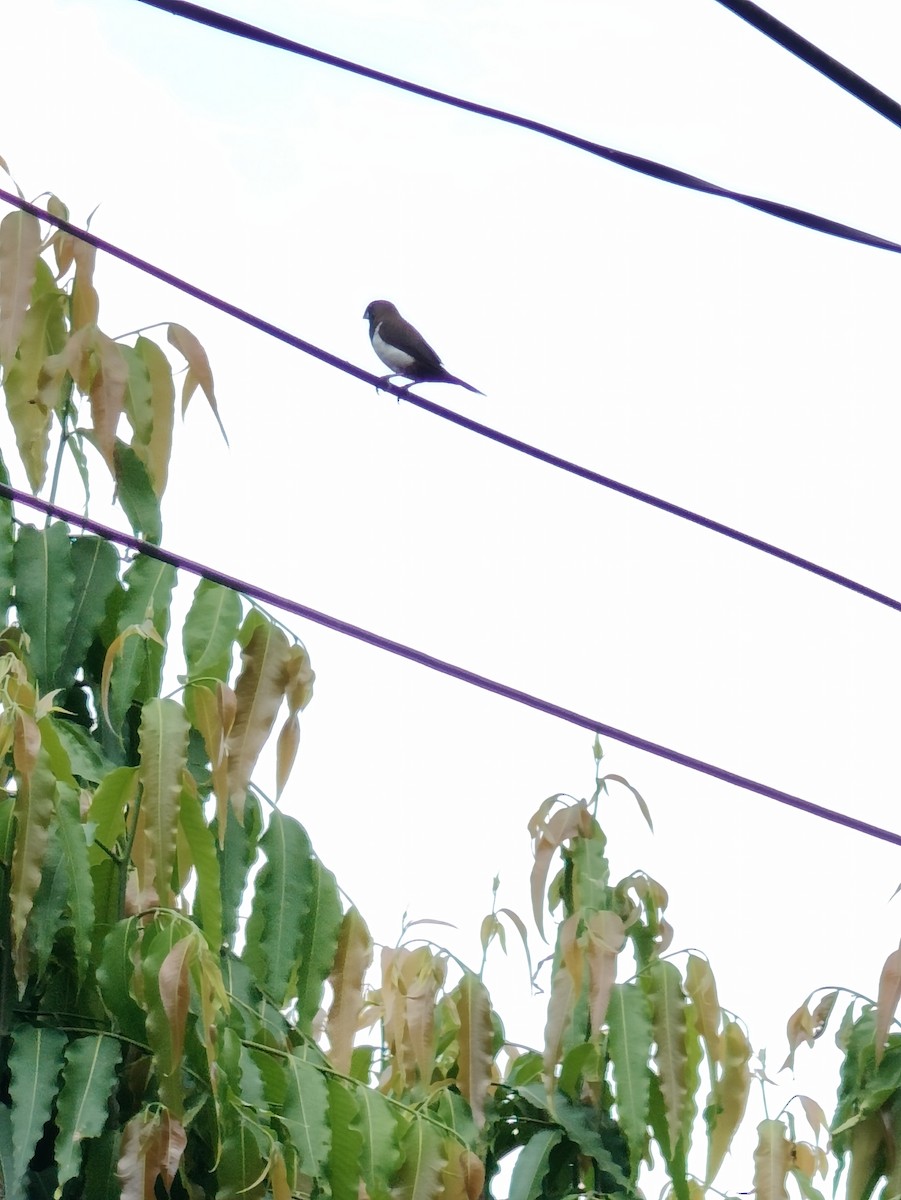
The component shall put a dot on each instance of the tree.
(150, 1044)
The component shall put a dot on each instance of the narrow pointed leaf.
(162, 405)
(475, 1039)
(210, 631)
(668, 1003)
(34, 1063)
(77, 867)
(530, 1171)
(629, 1045)
(135, 493)
(420, 1175)
(95, 566)
(305, 1115)
(89, 1076)
(317, 945)
(163, 740)
(20, 245)
(199, 372)
(260, 689)
(353, 958)
(380, 1154)
(727, 1104)
(137, 674)
(343, 1168)
(208, 895)
(281, 903)
(45, 597)
(34, 810)
(772, 1161)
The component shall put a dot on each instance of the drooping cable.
(273, 599)
(813, 56)
(446, 414)
(632, 162)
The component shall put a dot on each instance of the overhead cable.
(632, 162)
(446, 414)
(263, 596)
(814, 57)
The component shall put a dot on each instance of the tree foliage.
(187, 1007)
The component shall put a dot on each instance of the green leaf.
(89, 1077)
(305, 1115)
(241, 1167)
(235, 860)
(380, 1153)
(86, 757)
(137, 395)
(7, 540)
(281, 903)
(115, 795)
(419, 1177)
(80, 898)
(527, 1180)
(45, 598)
(139, 501)
(45, 919)
(318, 943)
(210, 631)
(99, 1174)
(34, 1062)
(95, 566)
(343, 1167)
(591, 871)
(163, 739)
(202, 844)
(629, 1046)
(114, 975)
(137, 674)
(602, 1144)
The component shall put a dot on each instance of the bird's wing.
(400, 333)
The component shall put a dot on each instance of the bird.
(404, 349)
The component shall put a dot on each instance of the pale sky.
(731, 363)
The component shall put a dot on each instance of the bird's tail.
(448, 378)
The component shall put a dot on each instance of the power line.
(632, 162)
(263, 596)
(814, 57)
(446, 414)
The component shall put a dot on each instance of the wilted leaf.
(352, 960)
(20, 246)
(605, 938)
(564, 824)
(887, 1001)
(475, 1040)
(772, 1161)
(199, 372)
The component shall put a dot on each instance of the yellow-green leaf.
(352, 960)
(475, 1039)
(772, 1161)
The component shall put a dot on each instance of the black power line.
(632, 162)
(446, 414)
(551, 709)
(858, 87)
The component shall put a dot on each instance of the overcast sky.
(712, 355)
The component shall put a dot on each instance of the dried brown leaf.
(20, 245)
(85, 301)
(887, 999)
(701, 987)
(199, 373)
(606, 936)
(286, 752)
(353, 958)
(815, 1115)
(258, 693)
(108, 396)
(26, 743)
(564, 824)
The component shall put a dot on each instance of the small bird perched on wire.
(404, 349)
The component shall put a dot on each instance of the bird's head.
(378, 309)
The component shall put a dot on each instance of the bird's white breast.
(397, 360)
